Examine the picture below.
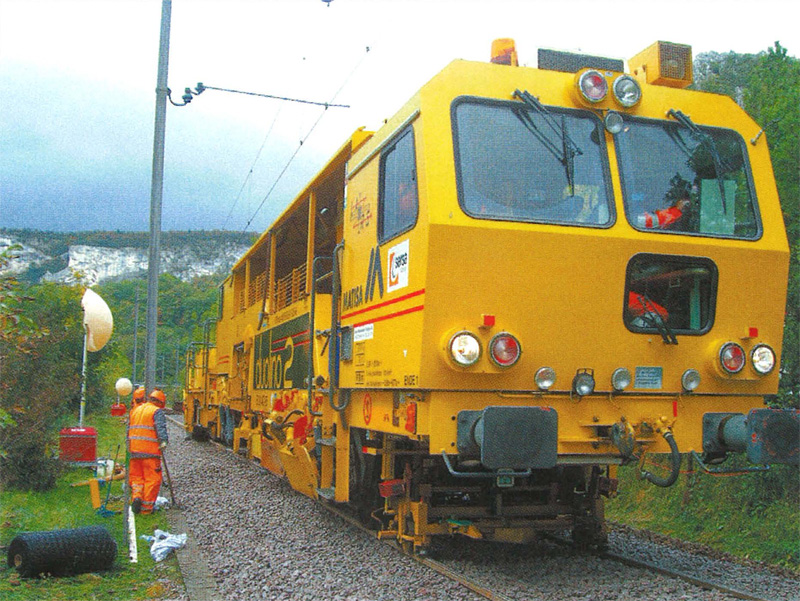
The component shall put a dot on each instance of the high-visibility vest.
(662, 218)
(142, 436)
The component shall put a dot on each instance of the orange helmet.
(138, 395)
(158, 397)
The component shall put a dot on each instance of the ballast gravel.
(263, 540)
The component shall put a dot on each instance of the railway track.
(479, 588)
(491, 588)
(704, 584)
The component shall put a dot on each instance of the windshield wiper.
(675, 135)
(706, 140)
(569, 149)
(654, 317)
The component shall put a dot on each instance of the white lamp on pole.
(98, 324)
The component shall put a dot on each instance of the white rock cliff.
(95, 264)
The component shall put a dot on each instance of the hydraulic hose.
(286, 423)
(268, 429)
(675, 462)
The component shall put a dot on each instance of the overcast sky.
(78, 77)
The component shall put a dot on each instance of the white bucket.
(105, 468)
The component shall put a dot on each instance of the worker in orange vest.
(138, 398)
(665, 218)
(147, 438)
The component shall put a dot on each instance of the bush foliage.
(40, 376)
(40, 362)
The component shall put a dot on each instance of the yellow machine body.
(391, 404)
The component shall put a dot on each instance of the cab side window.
(398, 201)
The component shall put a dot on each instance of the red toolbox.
(78, 446)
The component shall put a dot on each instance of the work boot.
(136, 505)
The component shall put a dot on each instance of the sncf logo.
(397, 266)
(397, 276)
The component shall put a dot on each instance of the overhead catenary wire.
(283, 171)
(303, 140)
(202, 87)
(252, 167)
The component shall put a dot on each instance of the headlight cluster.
(593, 87)
(504, 349)
(732, 358)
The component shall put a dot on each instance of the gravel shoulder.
(263, 540)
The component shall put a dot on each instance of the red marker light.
(732, 357)
(504, 350)
(593, 86)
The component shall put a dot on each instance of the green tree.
(17, 331)
(723, 73)
(772, 97)
(40, 384)
(767, 85)
(183, 307)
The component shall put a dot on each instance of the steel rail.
(487, 593)
(699, 582)
(646, 565)
(436, 566)
(432, 564)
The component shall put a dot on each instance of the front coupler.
(768, 436)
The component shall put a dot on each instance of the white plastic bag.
(163, 543)
(161, 503)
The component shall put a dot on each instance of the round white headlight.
(621, 379)
(465, 349)
(627, 90)
(763, 358)
(545, 377)
(690, 380)
(583, 383)
(613, 122)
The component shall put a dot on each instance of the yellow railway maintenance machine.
(533, 275)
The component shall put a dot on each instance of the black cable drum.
(60, 552)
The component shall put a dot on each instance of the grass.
(754, 516)
(70, 507)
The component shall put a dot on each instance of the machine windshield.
(517, 163)
(679, 177)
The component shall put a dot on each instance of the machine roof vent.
(569, 62)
